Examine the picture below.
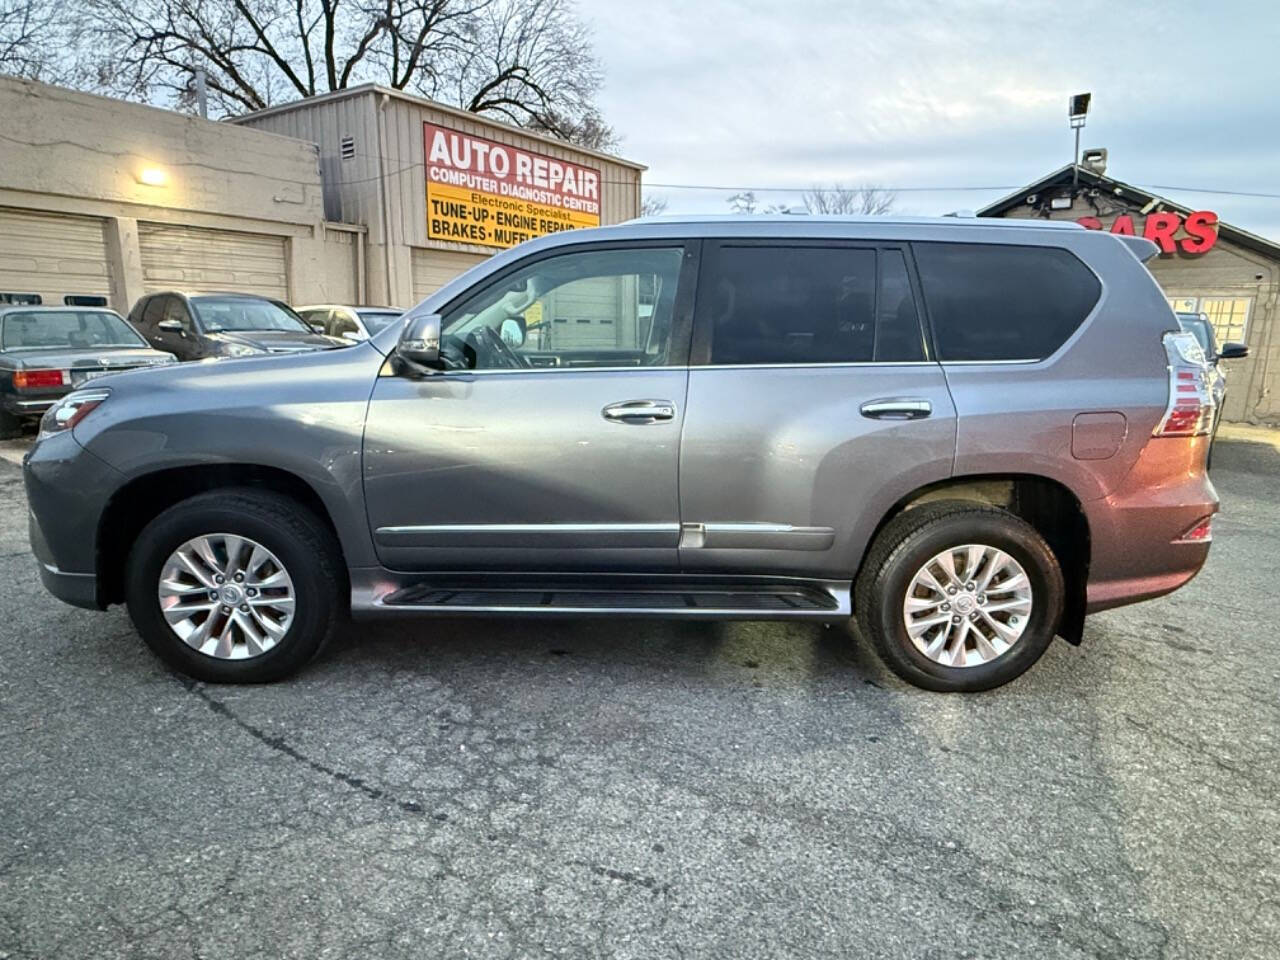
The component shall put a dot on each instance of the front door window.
(602, 308)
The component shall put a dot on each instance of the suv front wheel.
(958, 596)
(235, 586)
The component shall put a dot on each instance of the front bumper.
(67, 488)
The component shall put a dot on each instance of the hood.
(278, 341)
(80, 358)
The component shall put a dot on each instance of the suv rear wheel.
(959, 596)
(235, 586)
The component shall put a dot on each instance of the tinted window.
(601, 308)
(83, 329)
(898, 334)
(807, 305)
(998, 302)
(153, 311)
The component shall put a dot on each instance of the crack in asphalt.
(280, 745)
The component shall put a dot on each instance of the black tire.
(907, 543)
(302, 542)
(10, 426)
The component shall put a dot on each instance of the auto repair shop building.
(440, 189)
(102, 201)
(1204, 265)
(321, 201)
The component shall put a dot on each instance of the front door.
(551, 440)
(813, 406)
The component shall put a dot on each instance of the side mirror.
(420, 341)
(170, 326)
(1233, 351)
(316, 327)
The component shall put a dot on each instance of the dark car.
(45, 352)
(1198, 325)
(200, 326)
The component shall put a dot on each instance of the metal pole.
(1075, 167)
(202, 96)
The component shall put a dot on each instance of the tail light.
(29, 379)
(1191, 409)
(1202, 531)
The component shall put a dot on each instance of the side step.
(715, 601)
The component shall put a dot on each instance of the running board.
(818, 600)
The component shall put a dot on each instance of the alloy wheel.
(967, 605)
(226, 596)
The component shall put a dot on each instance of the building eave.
(1136, 195)
(378, 90)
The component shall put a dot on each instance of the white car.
(350, 323)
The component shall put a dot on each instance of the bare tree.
(652, 206)
(27, 38)
(867, 199)
(525, 61)
(743, 202)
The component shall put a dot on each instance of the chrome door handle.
(897, 408)
(640, 411)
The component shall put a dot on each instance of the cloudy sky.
(945, 93)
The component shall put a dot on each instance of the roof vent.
(349, 148)
(1095, 160)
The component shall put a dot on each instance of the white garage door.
(432, 269)
(201, 260)
(53, 255)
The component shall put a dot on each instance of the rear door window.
(1003, 302)
(784, 304)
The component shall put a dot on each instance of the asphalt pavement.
(637, 789)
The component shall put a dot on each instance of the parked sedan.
(47, 351)
(1198, 325)
(350, 323)
(203, 326)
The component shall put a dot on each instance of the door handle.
(640, 411)
(897, 408)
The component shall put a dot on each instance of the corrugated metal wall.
(351, 185)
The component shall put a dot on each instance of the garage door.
(432, 269)
(200, 260)
(53, 255)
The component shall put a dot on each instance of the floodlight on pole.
(1077, 109)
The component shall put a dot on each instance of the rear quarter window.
(1003, 302)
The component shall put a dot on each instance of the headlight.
(240, 350)
(70, 410)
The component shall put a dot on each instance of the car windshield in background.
(377, 320)
(1199, 328)
(242, 313)
(67, 329)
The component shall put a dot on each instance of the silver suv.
(967, 434)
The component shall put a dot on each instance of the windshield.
(1199, 327)
(377, 320)
(245, 313)
(70, 329)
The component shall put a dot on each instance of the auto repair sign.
(493, 194)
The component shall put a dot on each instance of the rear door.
(813, 406)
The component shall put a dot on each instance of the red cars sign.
(498, 195)
(1198, 230)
